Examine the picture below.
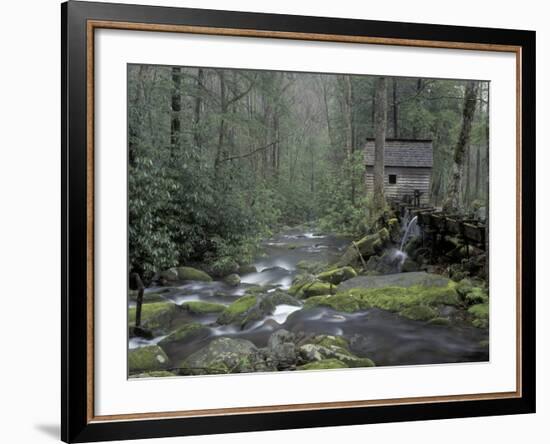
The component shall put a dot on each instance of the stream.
(385, 337)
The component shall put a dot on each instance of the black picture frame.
(77, 327)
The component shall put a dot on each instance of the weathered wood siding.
(408, 180)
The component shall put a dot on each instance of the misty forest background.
(219, 158)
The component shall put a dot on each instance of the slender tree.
(454, 199)
(380, 120)
(175, 127)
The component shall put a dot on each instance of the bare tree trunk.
(175, 126)
(454, 199)
(395, 107)
(327, 113)
(350, 135)
(221, 129)
(198, 106)
(467, 186)
(415, 130)
(381, 115)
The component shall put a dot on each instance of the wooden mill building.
(407, 167)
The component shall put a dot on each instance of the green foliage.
(255, 151)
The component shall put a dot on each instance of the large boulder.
(178, 274)
(238, 310)
(318, 352)
(282, 349)
(225, 355)
(415, 295)
(365, 247)
(403, 280)
(202, 307)
(232, 279)
(316, 289)
(337, 275)
(183, 334)
(254, 307)
(192, 274)
(147, 359)
(158, 317)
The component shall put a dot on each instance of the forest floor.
(308, 302)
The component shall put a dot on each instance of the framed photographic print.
(276, 221)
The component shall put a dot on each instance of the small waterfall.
(399, 255)
(410, 227)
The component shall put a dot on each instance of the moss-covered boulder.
(202, 307)
(254, 307)
(299, 282)
(367, 246)
(443, 322)
(192, 274)
(225, 355)
(157, 316)
(337, 275)
(183, 334)
(395, 299)
(419, 313)
(324, 364)
(146, 359)
(316, 289)
(246, 269)
(480, 315)
(394, 230)
(328, 341)
(317, 352)
(232, 279)
(169, 275)
(237, 311)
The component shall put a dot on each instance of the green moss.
(145, 359)
(360, 363)
(328, 341)
(337, 275)
(192, 274)
(439, 321)
(149, 296)
(464, 287)
(476, 296)
(393, 299)
(201, 307)
(233, 279)
(419, 313)
(480, 315)
(247, 269)
(394, 230)
(323, 364)
(237, 310)
(151, 311)
(310, 267)
(316, 289)
(299, 283)
(183, 333)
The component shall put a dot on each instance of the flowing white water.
(410, 227)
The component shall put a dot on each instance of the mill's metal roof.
(402, 153)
